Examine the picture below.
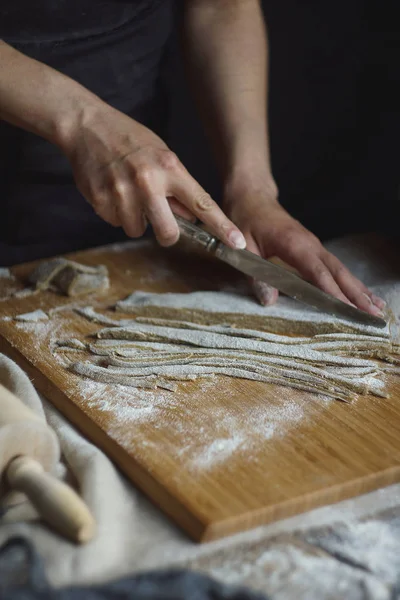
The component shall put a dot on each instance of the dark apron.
(115, 48)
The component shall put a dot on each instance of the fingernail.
(376, 311)
(379, 302)
(237, 240)
(368, 298)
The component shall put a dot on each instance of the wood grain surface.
(217, 456)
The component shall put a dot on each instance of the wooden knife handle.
(196, 235)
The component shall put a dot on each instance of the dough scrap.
(71, 344)
(5, 273)
(70, 277)
(36, 315)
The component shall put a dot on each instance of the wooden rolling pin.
(29, 451)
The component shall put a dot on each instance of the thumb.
(265, 293)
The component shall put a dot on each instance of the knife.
(290, 284)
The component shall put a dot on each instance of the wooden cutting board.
(217, 456)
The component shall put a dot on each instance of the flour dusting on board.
(42, 332)
(239, 433)
(159, 272)
(40, 329)
(219, 450)
(205, 441)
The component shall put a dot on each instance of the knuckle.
(119, 188)
(143, 177)
(290, 240)
(295, 241)
(340, 270)
(334, 265)
(203, 202)
(169, 161)
(99, 201)
(319, 271)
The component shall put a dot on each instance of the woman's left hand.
(271, 232)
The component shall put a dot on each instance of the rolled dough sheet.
(370, 258)
(287, 317)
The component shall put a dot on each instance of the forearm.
(225, 45)
(38, 98)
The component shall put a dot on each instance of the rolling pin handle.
(56, 502)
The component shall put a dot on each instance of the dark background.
(333, 112)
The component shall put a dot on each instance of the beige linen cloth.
(132, 535)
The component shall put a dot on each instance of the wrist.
(78, 108)
(244, 183)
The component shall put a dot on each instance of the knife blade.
(285, 281)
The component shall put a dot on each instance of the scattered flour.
(219, 450)
(286, 572)
(40, 329)
(342, 559)
(345, 560)
(27, 291)
(159, 272)
(372, 545)
(238, 434)
(203, 441)
(41, 333)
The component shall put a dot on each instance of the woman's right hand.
(130, 177)
(123, 169)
